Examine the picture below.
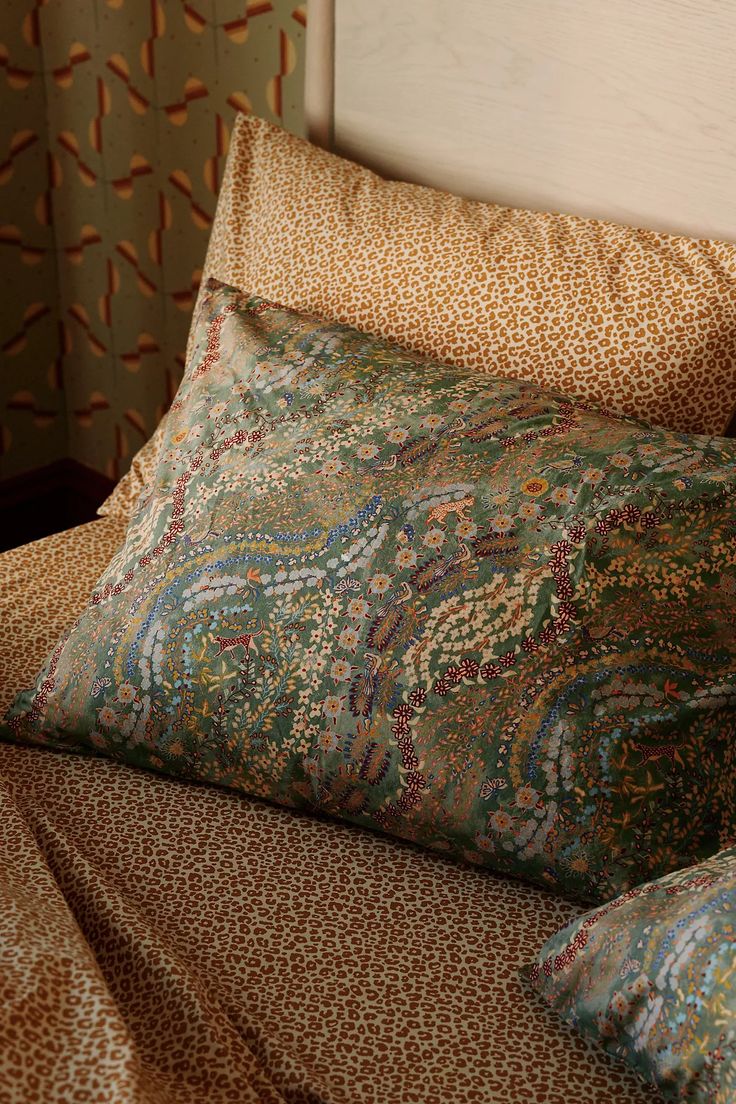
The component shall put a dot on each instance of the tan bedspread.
(166, 942)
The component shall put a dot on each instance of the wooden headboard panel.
(617, 109)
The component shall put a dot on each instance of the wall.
(114, 123)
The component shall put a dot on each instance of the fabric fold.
(89, 985)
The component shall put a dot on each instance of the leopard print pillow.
(639, 321)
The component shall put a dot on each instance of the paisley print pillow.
(652, 976)
(458, 608)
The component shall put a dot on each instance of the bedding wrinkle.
(167, 1037)
(53, 997)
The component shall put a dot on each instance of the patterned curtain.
(115, 118)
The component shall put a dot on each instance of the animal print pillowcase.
(640, 321)
(457, 608)
(589, 307)
(651, 977)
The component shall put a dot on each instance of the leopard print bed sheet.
(168, 943)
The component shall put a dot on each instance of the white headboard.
(618, 109)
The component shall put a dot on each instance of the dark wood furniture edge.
(49, 499)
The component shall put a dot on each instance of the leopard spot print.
(638, 321)
(168, 943)
(641, 322)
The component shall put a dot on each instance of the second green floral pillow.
(650, 976)
(475, 614)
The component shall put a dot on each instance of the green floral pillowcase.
(652, 976)
(460, 609)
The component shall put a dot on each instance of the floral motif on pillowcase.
(652, 977)
(461, 609)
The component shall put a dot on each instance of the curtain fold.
(115, 119)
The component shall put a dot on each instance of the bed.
(164, 941)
